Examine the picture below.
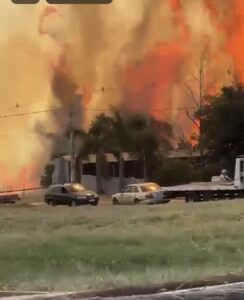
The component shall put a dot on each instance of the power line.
(29, 113)
(179, 109)
(19, 105)
(85, 109)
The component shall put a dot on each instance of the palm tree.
(108, 133)
(95, 141)
(119, 132)
(119, 140)
(148, 138)
(79, 135)
(141, 135)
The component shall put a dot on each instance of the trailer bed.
(203, 191)
(201, 186)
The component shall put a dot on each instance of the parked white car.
(147, 193)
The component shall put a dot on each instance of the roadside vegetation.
(93, 248)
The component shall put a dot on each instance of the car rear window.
(56, 190)
(152, 187)
(74, 188)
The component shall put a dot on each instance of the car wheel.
(73, 203)
(166, 201)
(136, 201)
(51, 203)
(94, 203)
(115, 201)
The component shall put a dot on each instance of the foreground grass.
(61, 248)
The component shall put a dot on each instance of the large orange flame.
(150, 80)
(235, 40)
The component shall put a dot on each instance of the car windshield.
(75, 188)
(152, 187)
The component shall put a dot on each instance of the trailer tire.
(193, 197)
(207, 196)
(136, 201)
(115, 201)
(188, 199)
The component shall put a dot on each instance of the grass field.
(62, 248)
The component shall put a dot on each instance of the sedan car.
(143, 193)
(70, 194)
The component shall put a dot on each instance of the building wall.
(61, 175)
(109, 186)
(61, 171)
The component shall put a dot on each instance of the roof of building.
(185, 153)
(110, 157)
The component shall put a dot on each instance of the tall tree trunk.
(78, 169)
(98, 172)
(201, 148)
(121, 171)
(144, 168)
(81, 171)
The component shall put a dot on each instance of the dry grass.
(86, 248)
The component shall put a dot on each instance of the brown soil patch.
(152, 289)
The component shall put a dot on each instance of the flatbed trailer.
(214, 190)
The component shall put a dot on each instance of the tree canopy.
(124, 131)
(223, 124)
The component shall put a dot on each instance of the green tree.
(46, 178)
(142, 136)
(96, 141)
(223, 125)
(175, 171)
(119, 139)
(149, 140)
(124, 131)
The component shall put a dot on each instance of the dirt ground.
(130, 291)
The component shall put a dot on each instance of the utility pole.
(72, 145)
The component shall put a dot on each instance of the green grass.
(62, 248)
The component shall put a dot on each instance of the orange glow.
(179, 19)
(235, 40)
(26, 178)
(149, 81)
(231, 22)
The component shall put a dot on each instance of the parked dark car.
(70, 194)
(9, 198)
